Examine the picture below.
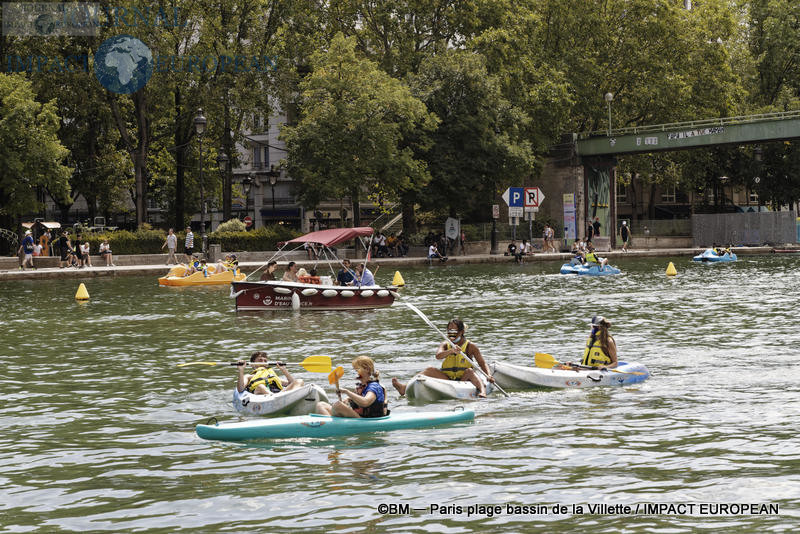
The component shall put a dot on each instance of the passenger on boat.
(291, 272)
(346, 276)
(455, 366)
(307, 278)
(601, 349)
(194, 266)
(591, 257)
(364, 276)
(369, 398)
(269, 274)
(264, 380)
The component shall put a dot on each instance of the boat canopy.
(332, 236)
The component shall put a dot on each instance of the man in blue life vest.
(264, 380)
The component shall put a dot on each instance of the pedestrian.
(463, 243)
(625, 236)
(26, 251)
(64, 249)
(44, 241)
(589, 233)
(76, 252)
(188, 244)
(171, 243)
(596, 226)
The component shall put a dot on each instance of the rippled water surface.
(98, 421)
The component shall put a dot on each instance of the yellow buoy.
(671, 269)
(398, 279)
(82, 294)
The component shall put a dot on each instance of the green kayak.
(323, 426)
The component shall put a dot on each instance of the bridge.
(691, 134)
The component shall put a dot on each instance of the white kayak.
(300, 401)
(426, 388)
(518, 377)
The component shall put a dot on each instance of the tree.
(31, 154)
(358, 131)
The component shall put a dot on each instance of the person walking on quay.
(188, 244)
(171, 243)
(625, 236)
(25, 251)
(64, 248)
(44, 241)
(596, 226)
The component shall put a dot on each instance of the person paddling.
(601, 349)
(369, 398)
(455, 366)
(264, 379)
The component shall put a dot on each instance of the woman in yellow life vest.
(264, 380)
(592, 257)
(601, 349)
(455, 366)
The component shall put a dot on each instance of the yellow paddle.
(334, 377)
(547, 361)
(314, 364)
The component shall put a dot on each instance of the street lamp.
(247, 184)
(222, 162)
(200, 128)
(273, 179)
(609, 97)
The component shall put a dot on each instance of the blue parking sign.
(515, 197)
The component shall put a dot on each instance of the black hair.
(257, 354)
(458, 322)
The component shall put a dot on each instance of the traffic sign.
(515, 211)
(248, 221)
(514, 197)
(533, 197)
(495, 211)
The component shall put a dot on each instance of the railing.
(703, 123)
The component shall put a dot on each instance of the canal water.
(98, 420)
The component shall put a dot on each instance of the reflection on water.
(98, 419)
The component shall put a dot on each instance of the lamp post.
(273, 179)
(200, 128)
(609, 97)
(222, 162)
(247, 184)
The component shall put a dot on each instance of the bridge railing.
(703, 123)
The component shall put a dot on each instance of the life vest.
(377, 408)
(309, 279)
(266, 376)
(454, 365)
(593, 355)
(591, 257)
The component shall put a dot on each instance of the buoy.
(295, 301)
(398, 279)
(82, 294)
(671, 269)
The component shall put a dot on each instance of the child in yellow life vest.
(264, 380)
(455, 366)
(601, 349)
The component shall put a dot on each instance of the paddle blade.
(337, 373)
(544, 360)
(184, 364)
(317, 364)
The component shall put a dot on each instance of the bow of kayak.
(323, 426)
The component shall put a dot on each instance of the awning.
(48, 225)
(333, 236)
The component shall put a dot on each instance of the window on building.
(622, 192)
(668, 193)
(266, 157)
(257, 156)
(256, 121)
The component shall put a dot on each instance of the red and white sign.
(533, 197)
(248, 221)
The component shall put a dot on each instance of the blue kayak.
(711, 256)
(323, 426)
(593, 270)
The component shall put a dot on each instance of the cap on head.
(624, 223)
(27, 232)
(599, 320)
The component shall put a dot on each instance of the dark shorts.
(105, 252)
(64, 255)
(188, 251)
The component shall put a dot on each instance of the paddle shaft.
(447, 339)
(548, 359)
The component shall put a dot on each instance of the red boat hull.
(254, 296)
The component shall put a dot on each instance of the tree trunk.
(409, 217)
(356, 207)
(140, 158)
(180, 163)
(651, 205)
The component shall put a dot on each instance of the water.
(98, 421)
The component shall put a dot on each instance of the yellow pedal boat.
(177, 277)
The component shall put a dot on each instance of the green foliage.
(233, 225)
(124, 242)
(266, 238)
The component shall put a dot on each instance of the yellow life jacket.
(266, 376)
(591, 257)
(593, 355)
(454, 365)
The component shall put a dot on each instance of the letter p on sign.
(533, 197)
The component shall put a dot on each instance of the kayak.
(426, 388)
(300, 401)
(176, 277)
(710, 256)
(324, 426)
(518, 377)
(594, 270)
